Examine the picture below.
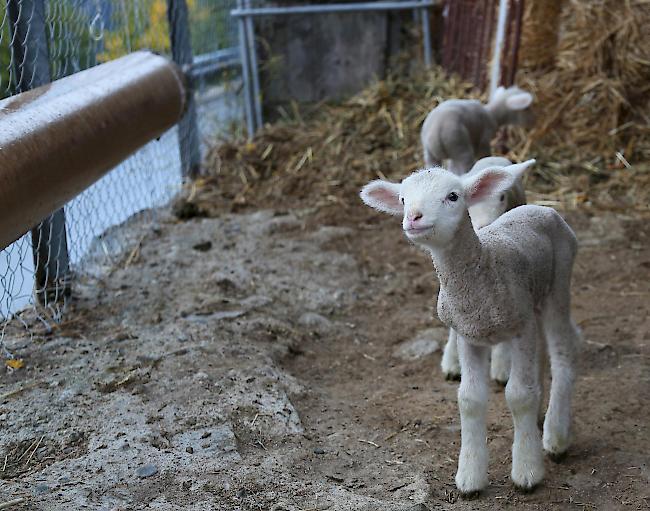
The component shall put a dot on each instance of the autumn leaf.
(15, 363)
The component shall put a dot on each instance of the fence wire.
(76, 35)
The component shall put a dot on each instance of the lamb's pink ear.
(383, 196)
(492, 181)
(488, 182)
(518, 169)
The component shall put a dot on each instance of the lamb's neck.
(497, 113)
(462, 262)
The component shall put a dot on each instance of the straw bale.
(596, 98)
(539, 35)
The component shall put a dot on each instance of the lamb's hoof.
(526, 489)
(527, 475)
(556, 441)
(501, 383)
(499, 368)
(452, 376)
(557, 457)
(469, 495)
(471, 478)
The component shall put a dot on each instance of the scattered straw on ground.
(326, 157)
(592, 137)
(321, 159)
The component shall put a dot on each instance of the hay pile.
(323, 157)
(592, 138)
(539, 35)
(595, 98)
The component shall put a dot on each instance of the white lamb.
(482, 214)
(460, 130)
(505, 282)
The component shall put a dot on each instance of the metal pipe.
(209, 63)
(332, 8)
(245, 69)
(257, 98)
(58, 139)
(495, 70)
(426, 37)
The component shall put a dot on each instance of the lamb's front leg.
(450, 364)
(523, 393)
(472, 402)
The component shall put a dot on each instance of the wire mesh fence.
(44, 40)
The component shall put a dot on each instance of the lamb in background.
(460, 130)
(505, 282)
(482, 214)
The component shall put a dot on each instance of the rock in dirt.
(204, 246)
(218, 441)
(147, 471)
(319, 450)
(423, 345)
(41, 488)
(186, 210)
(315, 321)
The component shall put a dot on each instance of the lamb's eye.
(453, 196)
(402, 200)
(502, 198)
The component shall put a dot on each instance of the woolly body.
(487, 293)
(508, 282)
(460, 130)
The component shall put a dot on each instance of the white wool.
(484, 213)
(500, 283)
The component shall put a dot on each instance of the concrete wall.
(308, 58)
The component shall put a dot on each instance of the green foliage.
(134, 25)
(138, 25)
(70, 46)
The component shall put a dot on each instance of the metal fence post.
(257, 94)
(244, 56)
(32, 68)
(188, 132)
(426, 36)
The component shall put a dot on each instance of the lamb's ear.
(519, 101)
(490, 181)
(518, 169)
(497, 92)
(383, 196)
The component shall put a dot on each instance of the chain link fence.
(44, 40)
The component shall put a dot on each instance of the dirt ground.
(252, 362)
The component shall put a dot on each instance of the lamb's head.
(434, 203)
(493, 206)
(512, 106)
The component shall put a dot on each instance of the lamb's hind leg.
(500, 363)
(472, 402)
(523, 394)
(450, 364)
(563, 341)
